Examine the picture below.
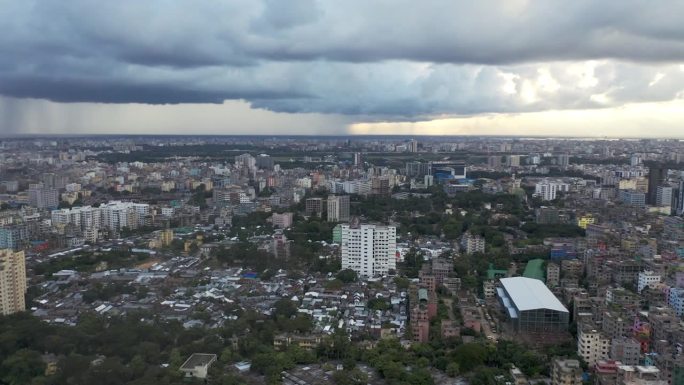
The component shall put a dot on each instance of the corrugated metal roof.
(531, 294)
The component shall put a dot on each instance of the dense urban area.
(341, 260)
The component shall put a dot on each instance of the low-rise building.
(197, 365)
(566, 372)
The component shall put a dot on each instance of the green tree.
(21, 367)
(347, 276)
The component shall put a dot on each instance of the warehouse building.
(531, 307)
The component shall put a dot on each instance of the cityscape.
(357, 192)
(345, 260)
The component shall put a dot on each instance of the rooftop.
(531, 294)
(534, 269)
(198, 359)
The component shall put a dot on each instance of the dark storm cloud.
(387, 59)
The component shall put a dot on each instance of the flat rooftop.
(198, 359)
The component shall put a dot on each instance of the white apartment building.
(338, 208)
(592, 346)
(647, 278)
(86, 217)
(369, 250)
(547, 190)
(472, 243)
(114, 215)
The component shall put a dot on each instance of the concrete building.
(675, 298)
(656, 177)
(314, 206)
(369, 250)
(264, 161)
(552, 274)
(585, 220)
(639, 375)
(633, 198)
(417, 169)
(592, 345)
(420, 318)
(616, 324)
(338, 208)
(546, 190)
(471, 243)
(282, 221)
(13, 236)
(566, 372)
(663, 196)
(647, 278)
(513, 160)
(625, 350)
(118, 215)
(197, 365)
(43, 197)
(12, 281)
(531, 307)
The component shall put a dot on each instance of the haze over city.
(555, 68)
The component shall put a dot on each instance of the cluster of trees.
(199, 197)
(247, 255)
(131, 349)
(89, 262)
(142, 349)
(540, 231)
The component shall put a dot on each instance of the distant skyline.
(307, 67)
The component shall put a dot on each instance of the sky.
(611, 68)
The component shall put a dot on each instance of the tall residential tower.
(369, 250)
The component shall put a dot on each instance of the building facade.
(369, 250)
(12, 281)
(566, 372)
(338, 208)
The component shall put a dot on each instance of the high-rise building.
(369, 250)
(494, 161)
(545, 191)
(420, 317)
(13, 236)
(358, 160)
(12, 282)
(338, 208)
(563, 160)
(679, 198)
(656, 177)
(43, 197)
(314, 206)
(380, 185)
(663, 196)
(417, 169)
(413, 146)
(264, 161)
(117, 215)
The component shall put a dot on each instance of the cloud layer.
(373, 60)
